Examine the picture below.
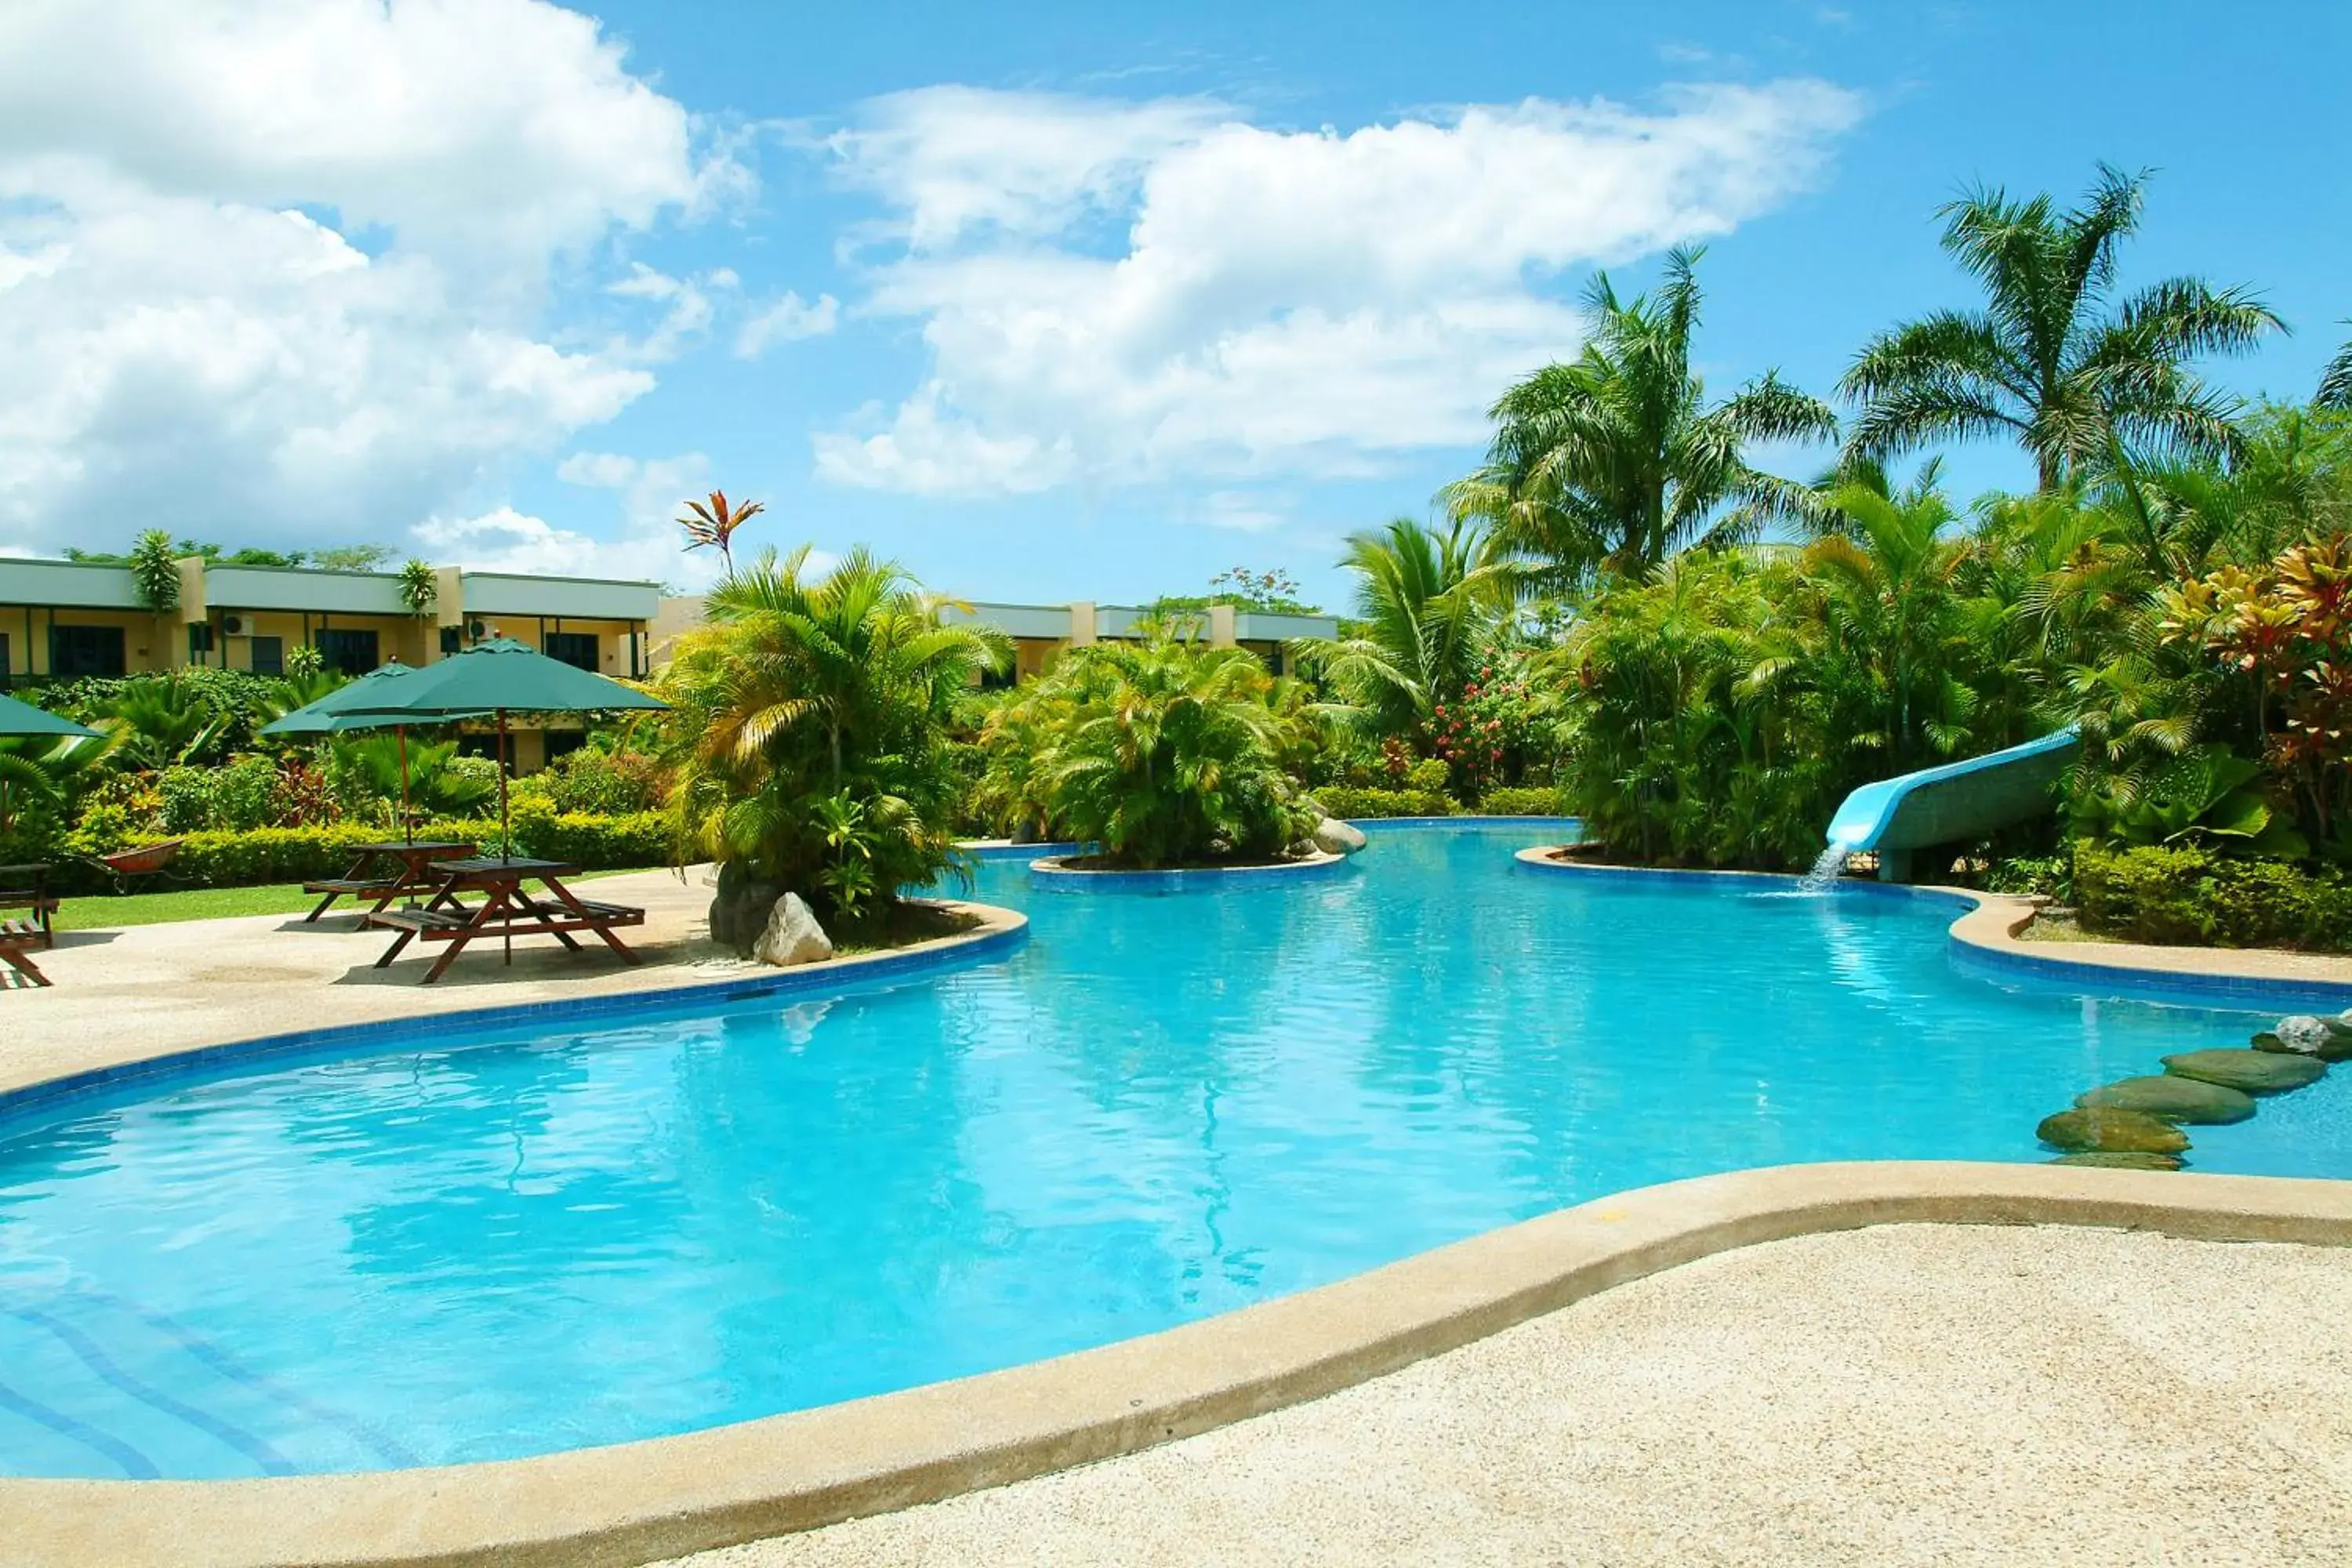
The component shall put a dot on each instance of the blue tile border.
(1466, 819)
(2243, 991)
(1020, 851)
(327, 1043)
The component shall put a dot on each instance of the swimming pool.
(478, 1245)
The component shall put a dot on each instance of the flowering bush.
(1494, 733)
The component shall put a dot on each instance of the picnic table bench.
(410, 867)
(18, 938)
(27, 887)
(508, 909)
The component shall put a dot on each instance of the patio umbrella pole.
(407, 827)
(506, 833)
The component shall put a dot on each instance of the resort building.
(65, 618)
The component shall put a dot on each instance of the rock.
(2174, 1099)
(792, 935)
(2121, 1162)
(2329, 1039)
(2104, 1131)
(2255, 1072)
(1334, 837)
(739, 912)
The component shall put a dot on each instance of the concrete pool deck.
(141, 992)
(1919, 1394)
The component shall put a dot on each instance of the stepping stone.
(2254, 1072)
(2173, 1098)
(2329, 1039)
(2121, 1162)
(2102, 1130)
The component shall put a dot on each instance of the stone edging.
(1000, 929)
(635, 1502)
(1050, 876)
(1984, 938)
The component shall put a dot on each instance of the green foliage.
(218, 858)
(304, 662)
(1163, 752)
(1499, 730)
(2207, 797)
(2034, 876)
(587, 839)
(162, 721)
(1427, 607)
(155, 571)
(237, 701)
(420, 587)
(364, 771)
(1430, 776)
(612, 783)
(2187, 894)
(1520, 800)
(801, 689)
(235, 796)
(1274, 592)
(1347, 801)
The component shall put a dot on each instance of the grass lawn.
(100, 913)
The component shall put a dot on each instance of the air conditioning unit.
(476, 631)
(232, 625)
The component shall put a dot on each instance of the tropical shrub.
(1163, 752)
(156, 570)
(1349, 801)
(1520, 800)
(604, 782)
(236, 796)
(365, 771)
(804, 689)
(1426, 609)
(2189, 894)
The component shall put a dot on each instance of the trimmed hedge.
(218, 860)
(2186, 896)
(1520, 800)
(1338, 800)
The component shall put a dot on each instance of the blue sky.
(1050, 302)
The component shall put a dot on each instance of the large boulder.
(2104, 1131)
(1334, 837)
(2253, 1072)
(2122, 1162)
(739, 909)
(2329, 1039)
(791, 935)
(2173, 1098)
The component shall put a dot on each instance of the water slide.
(1952, 803)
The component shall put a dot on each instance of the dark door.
(86, 650)
(577, 649)
(347, 651)
(268, 655)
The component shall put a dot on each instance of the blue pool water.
(484, 1246)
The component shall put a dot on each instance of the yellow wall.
(149, 642)
(404, 637)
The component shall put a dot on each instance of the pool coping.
(1984, 939)
(638, 1502)
(1000, 930)
(1047, 875)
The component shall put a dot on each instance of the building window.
(200, 641)
(86, 650)
(577, 649)
(453, 639)
(562, 742)
(347, 651)
(6, 666)
(268, 655)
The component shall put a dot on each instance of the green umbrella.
(24, 718)
(341, 710)
(499, 677)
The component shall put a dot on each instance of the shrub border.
(1052, 875)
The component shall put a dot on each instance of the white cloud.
(278, 269)
(648, 545)
(1118, 294)
(788, 320)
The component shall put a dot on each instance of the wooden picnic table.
(506, 908)
(27, 886)
(411, 871)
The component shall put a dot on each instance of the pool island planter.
(1984, 938)
(1055, 874)
(638, 1502)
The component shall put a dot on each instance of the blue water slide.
(1952, 803)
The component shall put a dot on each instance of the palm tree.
(1614, 461)
(2054, 360)
(2336, 382)
(1162, 751)
(806, 689)
(1427, 603)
